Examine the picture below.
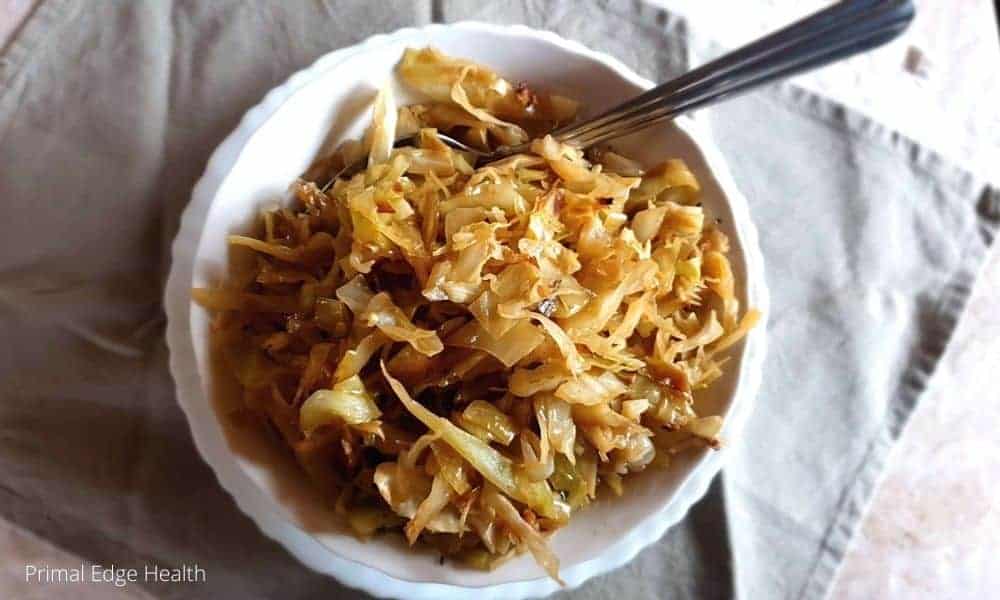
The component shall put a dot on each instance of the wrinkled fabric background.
(108, 114)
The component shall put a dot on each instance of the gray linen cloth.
(108, 113)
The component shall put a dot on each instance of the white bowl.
(253, 167)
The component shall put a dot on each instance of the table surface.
(934, 525)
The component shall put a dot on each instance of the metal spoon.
(840, 31)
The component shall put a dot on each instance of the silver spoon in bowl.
(840, 31)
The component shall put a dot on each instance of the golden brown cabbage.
(468, 353)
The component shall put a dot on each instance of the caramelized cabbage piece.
(508, 516)
(555, 422)
(468, 353)
(381, 134)
(510, 348)
(357, 357)
(590, 389)
(484, 95)
(347, 402)
(493, 466)
(487, 422)
(544, 378)
(411, 493)
(382, 313)
(452, 468)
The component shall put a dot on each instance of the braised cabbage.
(468, 354)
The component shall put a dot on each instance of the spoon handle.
(840, 31)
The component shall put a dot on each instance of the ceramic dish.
(252, 169)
